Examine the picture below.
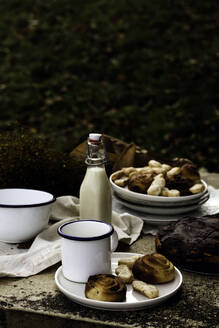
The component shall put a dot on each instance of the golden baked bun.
(154, 268)
(105, 287)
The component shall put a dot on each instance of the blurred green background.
(142, 71)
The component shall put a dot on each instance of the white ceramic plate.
(134, 300)
(145, 199)
(163, 210)
(157, 221)
(149, 219)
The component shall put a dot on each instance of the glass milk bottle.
(95, 190)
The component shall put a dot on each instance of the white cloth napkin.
(46, 247)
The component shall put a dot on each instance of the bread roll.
(153, 163)
(129, 261)
(147, 290)
(170, 192)
(105, 287)
(157, 185)
(124, 273)
(122, 182)
(197, 188)
(154, 268)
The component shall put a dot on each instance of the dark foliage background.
(142, 71)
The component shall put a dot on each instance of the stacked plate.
(159, 205)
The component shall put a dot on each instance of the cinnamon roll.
(154, 268)
(106, 287)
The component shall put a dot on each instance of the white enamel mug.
(86, 248)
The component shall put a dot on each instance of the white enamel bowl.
(160, 201)
(23, 213)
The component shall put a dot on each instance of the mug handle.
(114, 241)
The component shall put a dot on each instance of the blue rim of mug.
(102, 236)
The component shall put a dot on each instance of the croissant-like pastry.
(105, 287)
(140, 182)
(154, 268)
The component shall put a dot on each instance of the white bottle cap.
(95, 136)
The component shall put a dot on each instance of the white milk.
(96, 195)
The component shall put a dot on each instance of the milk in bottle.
(95, 191)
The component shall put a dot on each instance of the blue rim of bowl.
(105, 235)
(28, 205)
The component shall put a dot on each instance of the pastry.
(191, 243)
(153, 268)
(123, 173)
(140, 182)
(129, 261)
(170, 192)
(161, 179)
(180, 161)
(125, 273)
(157, 185)
(183, 178)
(197, 188)
(122, 182)
(105, 287)
(147, 290)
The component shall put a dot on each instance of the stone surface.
(36, 302)
(195, 305)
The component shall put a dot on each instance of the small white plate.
(134, 300)
(163, 210)
(144, 199)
